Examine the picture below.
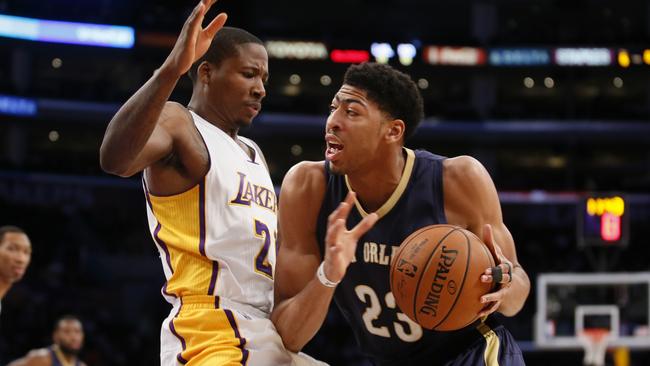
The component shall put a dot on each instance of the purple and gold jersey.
(218, 238)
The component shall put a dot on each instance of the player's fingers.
(488, 239)
(196, 17)
(333, 228)
(192, 25)
(216, 24)
(365, 225)
(493, 296)
(209, 3)
(349, 200)
(497, 274)
(490, 309)
(335, 215)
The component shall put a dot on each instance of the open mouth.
(334, 147)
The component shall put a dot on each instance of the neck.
(213, 116)
(375, 186)
(4, 287)
(68, 359)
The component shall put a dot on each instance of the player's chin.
(336, 168)
(245, 121)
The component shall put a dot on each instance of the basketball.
(435, 277)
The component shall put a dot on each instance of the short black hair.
(224, 45)
(66, 318)
(394, 92)
(9, 229)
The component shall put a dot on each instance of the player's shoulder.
(305, 177)
(463, 168)
(427, 155)
(40, 352)
(40, 356)
(173, 113)
(307, 170)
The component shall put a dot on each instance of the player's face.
(237, 85)
(69, 336)
(353, 132)
(15, 254)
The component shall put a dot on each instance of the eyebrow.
(257, 69)
(349, 100)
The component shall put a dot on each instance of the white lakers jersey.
(219, 237)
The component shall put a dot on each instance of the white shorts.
(197, 333)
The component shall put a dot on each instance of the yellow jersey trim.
(491, 353)
(397, 193)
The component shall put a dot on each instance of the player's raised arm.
(134, 139)
(304, 283)
(472, 197)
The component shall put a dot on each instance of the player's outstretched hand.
(194, 40)
(341, 243)
(500, 275)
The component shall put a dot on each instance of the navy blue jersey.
(385, 334)
(58, 362)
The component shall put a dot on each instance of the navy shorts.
(497, 347)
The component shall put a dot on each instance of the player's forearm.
(297, 319)
(518, 293)
(133, 124)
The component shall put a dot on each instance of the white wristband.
(323, 279)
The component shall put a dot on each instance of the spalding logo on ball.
(435, 277)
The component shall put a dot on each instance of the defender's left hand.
(500, 275)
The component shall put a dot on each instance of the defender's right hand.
(193, 41)
(341, 243)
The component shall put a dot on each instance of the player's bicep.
(490, 209)
(159, 145)
(298, 255)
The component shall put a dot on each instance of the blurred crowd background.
(552, 96)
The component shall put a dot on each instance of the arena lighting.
(583, 56)
(17, 106)
(296, 50)
(66, 32)
(406, 53)
(382, 52)
(646, 57)
(623, 58)
(519, 57)
(349, 56)
(460, 56)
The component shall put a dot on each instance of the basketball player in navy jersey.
(384, 191)
(211, 204)
(68, 340)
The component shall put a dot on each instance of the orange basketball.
(435, 276)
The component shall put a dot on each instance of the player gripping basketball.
(402, 190)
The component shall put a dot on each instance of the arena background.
(551, 96)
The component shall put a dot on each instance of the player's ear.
(203, 72)
(396, 130)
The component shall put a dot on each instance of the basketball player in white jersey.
(210, 200)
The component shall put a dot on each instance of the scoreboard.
(603, 220)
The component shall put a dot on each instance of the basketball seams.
(460, 290)
(424, 270)
(400, 251)
(456, 311)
